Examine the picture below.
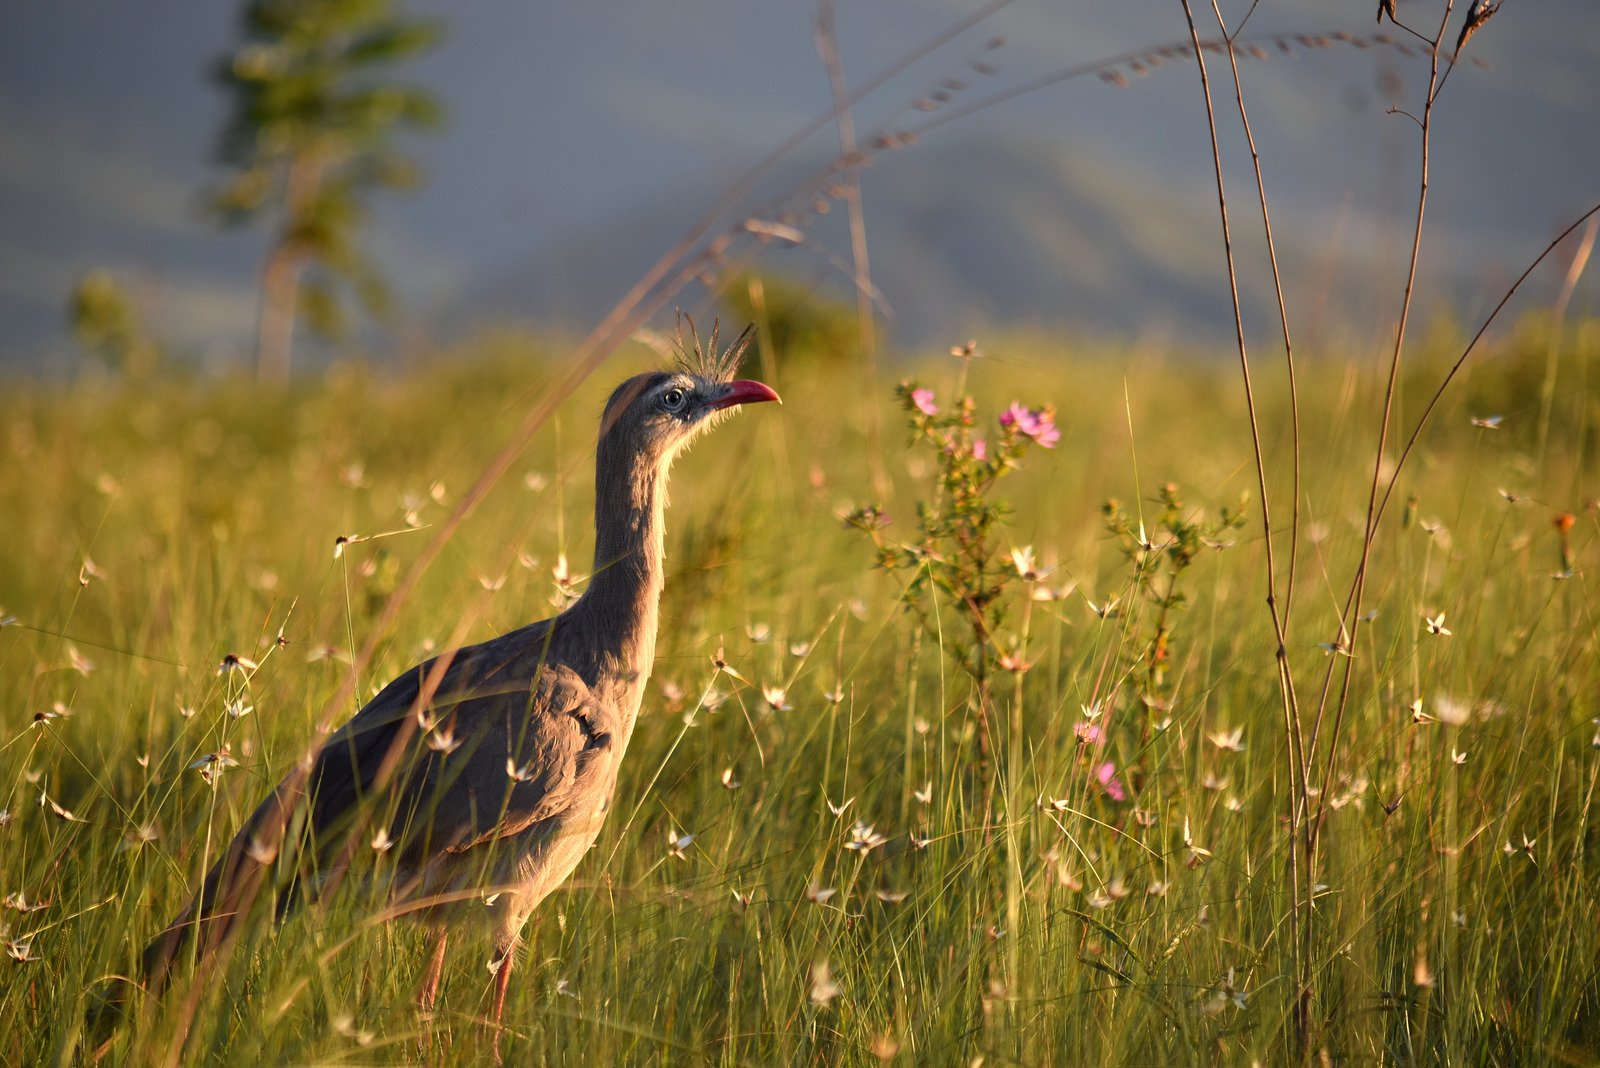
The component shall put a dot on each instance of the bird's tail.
(201, 929)
(227, 898)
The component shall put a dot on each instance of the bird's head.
(657, 413)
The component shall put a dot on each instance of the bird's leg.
(430, 979)
(429, 992)
(502, 979)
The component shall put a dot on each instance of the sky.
(584, 136)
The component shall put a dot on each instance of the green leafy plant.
(106, 321)
(1159, 554)
(310, 136)
(953, 559)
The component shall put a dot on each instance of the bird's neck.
(624, 592)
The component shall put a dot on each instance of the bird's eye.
(672, 400)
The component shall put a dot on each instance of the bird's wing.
(504, 740)
(525, 754)
(365, 756)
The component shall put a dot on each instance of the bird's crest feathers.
(708, 361)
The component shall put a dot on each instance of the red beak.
(745, 391)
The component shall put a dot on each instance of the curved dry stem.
(1455, 368)
(827, 39)
(1300, 908)
(1350, 624)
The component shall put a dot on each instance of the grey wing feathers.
(530, 764)
(515, 741)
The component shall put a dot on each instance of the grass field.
(1136, 915)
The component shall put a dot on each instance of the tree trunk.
(280, 284)
(280, 276)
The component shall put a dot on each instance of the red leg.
(429, 993)
(430, 979)
(502, 979)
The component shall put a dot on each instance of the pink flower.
(1031, 424)
(923, 399)
(1087, 733)
(1107, 774)
(978, 449)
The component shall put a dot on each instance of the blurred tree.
(801, 322)
(310, 136)
(106, 321)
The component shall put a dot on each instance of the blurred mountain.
(961, 237)
(586, 138)
(1019, 234)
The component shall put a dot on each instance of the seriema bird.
(492, 768)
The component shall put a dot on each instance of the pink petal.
(1107, 774)
(923, 399)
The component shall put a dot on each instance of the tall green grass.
(1072, 928)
